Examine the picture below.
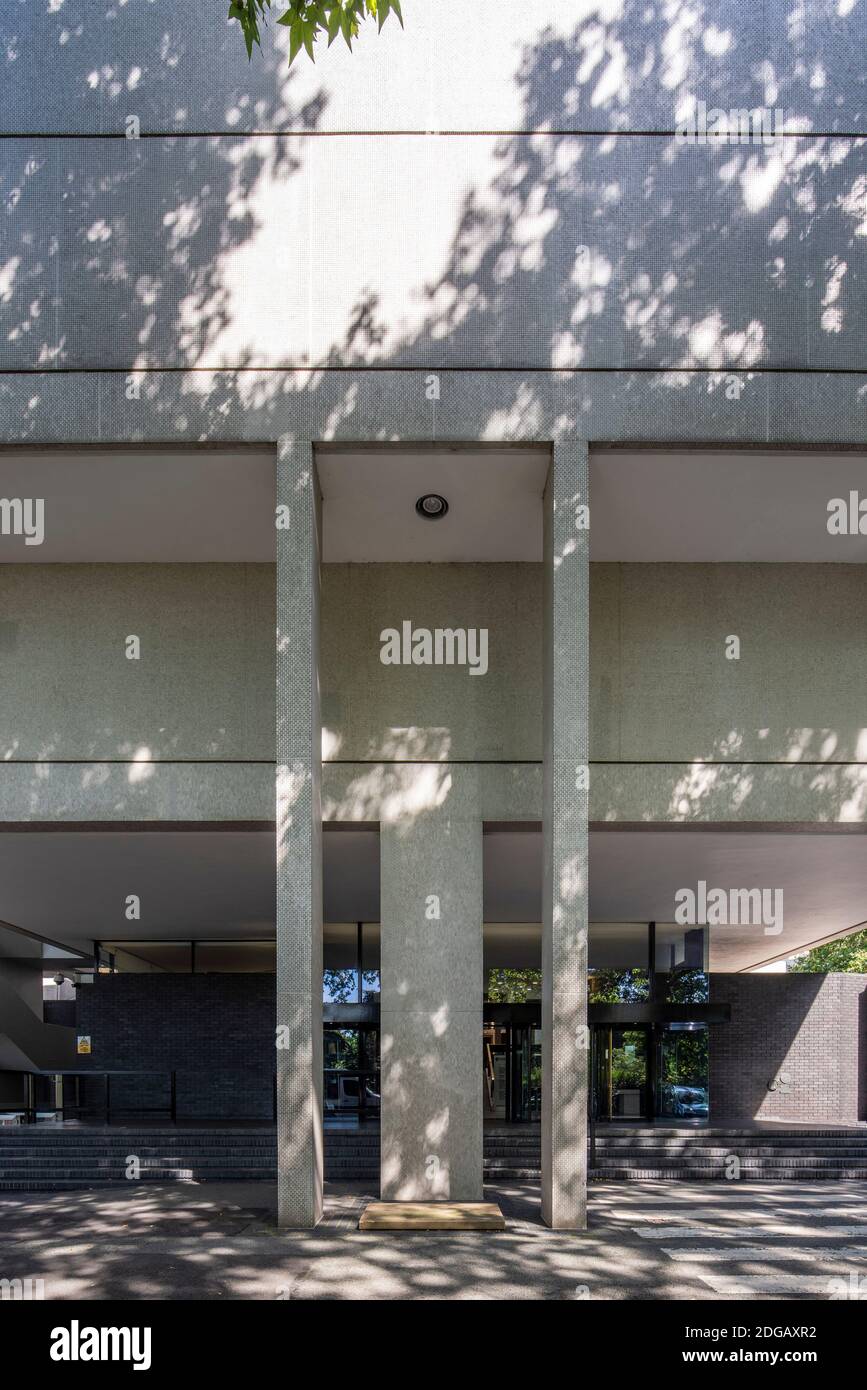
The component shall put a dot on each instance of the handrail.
(31, 1108)
(111, 1106)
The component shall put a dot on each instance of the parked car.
(688, 1101)
(341, 1094)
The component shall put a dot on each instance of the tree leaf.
(308, 34)
(333, 24)
(307, 19)
(296, 38)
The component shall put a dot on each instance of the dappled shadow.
(194, 1245)
(567, 250)
(230, 285)
(221, 258)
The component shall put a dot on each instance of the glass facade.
(629, 962)
(351, 1090)
(350, 957)
(650, 1071)
(187, 957)
(617, 946)
(681, 963)
(655, 1068)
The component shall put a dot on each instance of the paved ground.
(646, 1240)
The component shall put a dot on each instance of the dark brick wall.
(59, 1011)
(215, 1031)
(810, 1029)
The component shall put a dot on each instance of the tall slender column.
(565, 1038)
(431, 1020)
(299, 842)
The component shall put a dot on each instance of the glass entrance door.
(526, 1073)
(351, 1074)
(682, 1071)
(512, 1064)
(620, 1073)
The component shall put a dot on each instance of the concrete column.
(431, 1021)
(565, 1055)
(299, 842)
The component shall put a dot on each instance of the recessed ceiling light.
(431, 506)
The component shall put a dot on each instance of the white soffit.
(129, 506)
(494, 497)
(647, 505)
(70, 886)
(722, 505)
(635, 875)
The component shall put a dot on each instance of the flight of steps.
(513, 1153)
(35, 1158)
(635, 1153)
(41, 1158)
(802, 1155)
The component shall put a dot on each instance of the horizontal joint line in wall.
(138, 762)
(726, 762)
(434, 762)
(528, 133)
(427, 367)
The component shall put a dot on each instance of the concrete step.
(240, 1160)
(137, 1142)
(133, 1142)
(53, 1159)
(742, 1150)
(514, 1174)
(639, 1131)
(88, 1133)
(605, 1174)
(740, 1141)
(85, 1183)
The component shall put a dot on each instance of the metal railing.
(59, 1094)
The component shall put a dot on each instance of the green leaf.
(308, 34)
(333, 24)
(247, 13)
(296, 38)
(307, 19)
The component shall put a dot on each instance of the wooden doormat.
(432, 1216)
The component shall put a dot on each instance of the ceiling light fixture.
(432, 506)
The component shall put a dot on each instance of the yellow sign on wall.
(83, 1044)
